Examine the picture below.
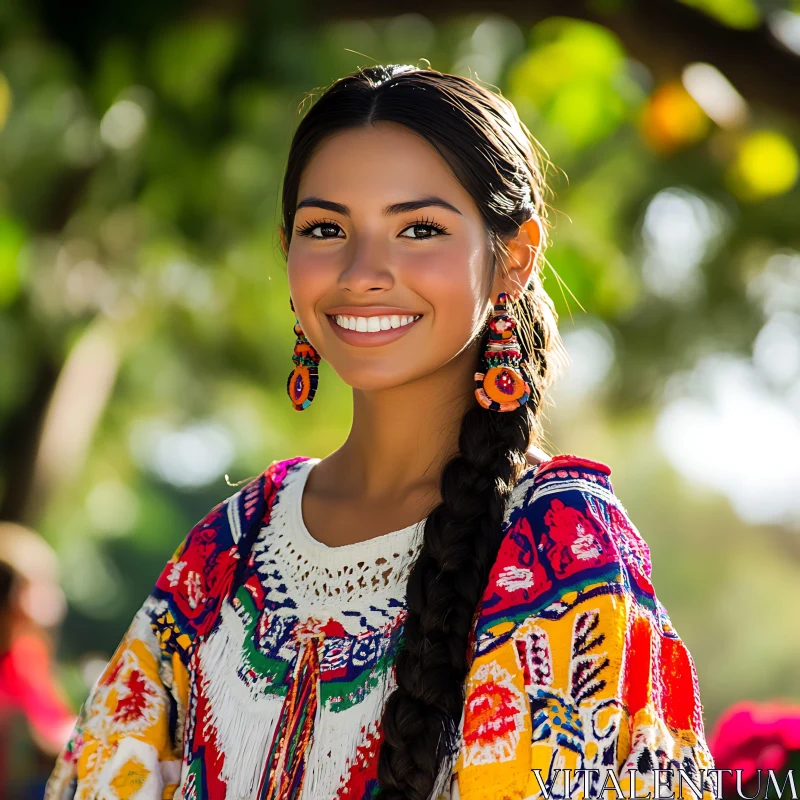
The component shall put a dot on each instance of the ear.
(282, 234)
(521, 260)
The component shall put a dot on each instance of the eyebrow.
(394, 208)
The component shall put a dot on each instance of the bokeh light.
(766, 165)
(672, 118)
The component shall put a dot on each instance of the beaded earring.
(303, 379)
(502, 384)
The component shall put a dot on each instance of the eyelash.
(441, 230)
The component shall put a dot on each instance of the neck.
(402, 437)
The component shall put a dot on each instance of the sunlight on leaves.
(672, 119)
(766, 165)
(5, 100)
(12, 238)
(735, 13)
(574, 78)
(188, 60)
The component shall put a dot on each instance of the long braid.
(462, 537)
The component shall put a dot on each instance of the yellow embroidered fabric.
(577, 666)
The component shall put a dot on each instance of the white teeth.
(373, 324)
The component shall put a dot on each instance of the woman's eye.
(320, 230)
(423, 230)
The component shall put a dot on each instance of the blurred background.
(146, 334)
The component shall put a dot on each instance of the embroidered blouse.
(258, 666)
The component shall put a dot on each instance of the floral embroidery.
(260, 655)
(514, 578)
(494, 717)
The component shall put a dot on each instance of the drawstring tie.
(286, 761)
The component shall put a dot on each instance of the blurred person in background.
(35, 718)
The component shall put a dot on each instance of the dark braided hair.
(493, 155)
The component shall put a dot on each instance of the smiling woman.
(438, 609)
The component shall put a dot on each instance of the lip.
(365, 338)
(371, 311)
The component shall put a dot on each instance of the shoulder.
(559, 475)
(545, 464)
(569, 629)
(250, 508)
(203, 566)
(229, 522)
(567, 535)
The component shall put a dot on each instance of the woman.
(35, 717)
(438, 608)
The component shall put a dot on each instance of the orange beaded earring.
(502, 384)
(303, 379)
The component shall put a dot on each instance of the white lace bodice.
(331, 580)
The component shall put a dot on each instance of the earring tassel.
(304, 378)
(502, 384)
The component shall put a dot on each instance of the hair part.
(493, 155)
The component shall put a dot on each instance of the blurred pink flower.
(750, 736)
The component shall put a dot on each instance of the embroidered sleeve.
(122, 741)
(128, 738)
(576, 664)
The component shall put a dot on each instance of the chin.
(370, 379)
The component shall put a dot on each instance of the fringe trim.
(242, 718)
(337, 737)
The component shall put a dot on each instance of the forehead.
(385, 161)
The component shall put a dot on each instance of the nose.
(366, 271)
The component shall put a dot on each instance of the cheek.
(309, 279)
(453, 281)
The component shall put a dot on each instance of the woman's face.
(384, 231)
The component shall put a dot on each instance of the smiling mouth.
(374, 324)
